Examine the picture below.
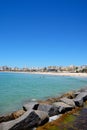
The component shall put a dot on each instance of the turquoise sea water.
(18, 88)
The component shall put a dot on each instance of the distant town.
(71, 69)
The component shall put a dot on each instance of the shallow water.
(18, 88)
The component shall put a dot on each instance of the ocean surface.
(17, 89)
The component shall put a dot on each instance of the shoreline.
(60, 74)
(68, 105)
(52, 73)
(42, 76)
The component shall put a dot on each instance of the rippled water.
(17, 88)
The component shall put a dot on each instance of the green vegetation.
(68, 119)
(65, 122)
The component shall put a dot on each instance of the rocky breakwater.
(38, 113)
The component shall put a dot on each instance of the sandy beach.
(61, 74)
(52, 73)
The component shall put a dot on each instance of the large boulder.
(44, 117)
(83, 90)
(6, 118)
(9, 124)
(80, 98)
(12, 116)
(62, 107)
(28, 120)
(76, 93)
(18, 113)
(68, 101)
(30, 105)
(78, 102)
(51, 110)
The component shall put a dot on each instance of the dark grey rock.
(62, 107)
(80, 98)
(11, 116)
(51, 110)
(9, 124)
(6, 118)
(68, 101)
(44, 117)
(30, 105)
(83, 89)
(76, 93)
(44, 107)
(29, 120)
(83, 95)
(78, 102)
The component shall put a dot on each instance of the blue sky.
(43, 32)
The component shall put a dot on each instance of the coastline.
(60, 74)
(70, 112)
(45, 79)
(52, 73)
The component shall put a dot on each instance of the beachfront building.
(4, 68)
(1, 68)
(71, 69)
